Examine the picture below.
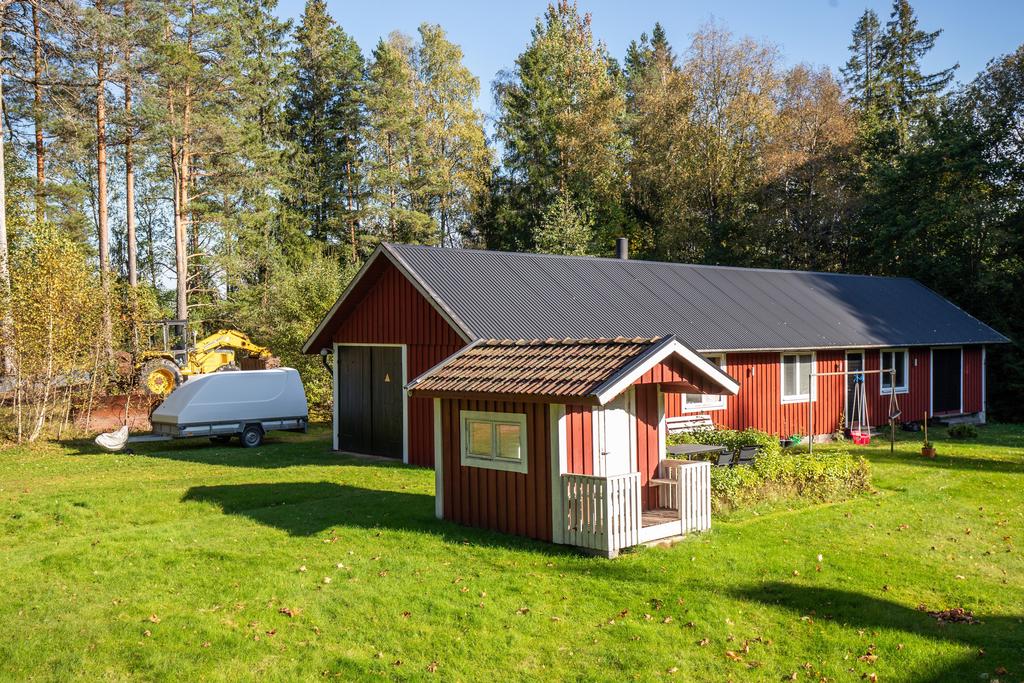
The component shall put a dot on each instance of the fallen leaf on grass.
(733, 656)
(154, 618)
(147, 633)
(872, 677)
(1000, 670)
(432, 667)
(523, 610)
(288, 611)
(869, 658)
(406, 614)
(672, 669)
(704, 642)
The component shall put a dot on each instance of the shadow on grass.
(310, 508)
(1014, 464)
(279, 450)
(998, 636)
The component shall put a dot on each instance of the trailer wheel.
(252, 436)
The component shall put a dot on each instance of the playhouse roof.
(591, 370)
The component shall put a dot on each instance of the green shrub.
(827, 474)
(963, 431)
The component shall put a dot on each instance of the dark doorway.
(947, 371)
(370, 405)
(854, 363)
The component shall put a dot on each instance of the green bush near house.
(830, 473)
(963, 431)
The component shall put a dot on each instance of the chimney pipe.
(622, 248)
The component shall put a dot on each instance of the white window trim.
(797, 398)
(708, 401)
(494, 463)
(905, 389)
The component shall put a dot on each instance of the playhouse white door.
(613, 438)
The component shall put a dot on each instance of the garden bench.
(687, 424)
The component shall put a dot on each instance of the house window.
(694, 402)
(796, 381)
(495, 441)
(894, 359)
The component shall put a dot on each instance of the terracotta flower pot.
(928, 452)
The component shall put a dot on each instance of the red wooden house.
(411, 307)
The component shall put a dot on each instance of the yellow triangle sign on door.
(387, 377)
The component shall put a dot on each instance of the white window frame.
(905, 388)
(708, 401)
(494, 462)
(797, 398)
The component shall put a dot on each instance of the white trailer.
(220, 405)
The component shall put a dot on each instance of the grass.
(186, 561)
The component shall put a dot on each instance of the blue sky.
(815, 31)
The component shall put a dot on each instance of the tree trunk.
(37, 113)
(6, 316)
(101, 192)
(129, 162)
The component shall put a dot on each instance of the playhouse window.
(894, 359)
(796, 382)
(494, 440)
(706, 401)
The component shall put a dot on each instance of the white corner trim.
(662, 427)
(438, 462)
(611, 389)
(559, 465)
(334, 406)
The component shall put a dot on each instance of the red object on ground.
(108, 413)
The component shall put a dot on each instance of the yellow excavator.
(174, 360)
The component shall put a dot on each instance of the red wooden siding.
(647, 446)
(912, 404)
(579, 446)
(674, 371)
(388, 309)
(972, 379)
(759, 403)
(509, 502)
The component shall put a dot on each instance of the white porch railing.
(602, 513)
(689, 492)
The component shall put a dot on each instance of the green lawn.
(289, 561)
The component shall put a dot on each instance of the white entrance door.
(613, 426)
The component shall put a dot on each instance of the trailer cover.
(238, 397)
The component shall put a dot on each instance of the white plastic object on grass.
(113, 441)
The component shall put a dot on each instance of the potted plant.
(928, 449)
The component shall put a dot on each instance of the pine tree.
(861, 75)
(564, 228)
(325, 114)
(559, 121)
(906, 92)
(457, 160)
(395, 150)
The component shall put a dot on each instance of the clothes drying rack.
(894, 411)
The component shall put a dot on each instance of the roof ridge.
(587, 257)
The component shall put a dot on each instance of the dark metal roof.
(505, 295)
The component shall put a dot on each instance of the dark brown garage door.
(370, 400)
(946, 377)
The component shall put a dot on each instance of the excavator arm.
(230, 339)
